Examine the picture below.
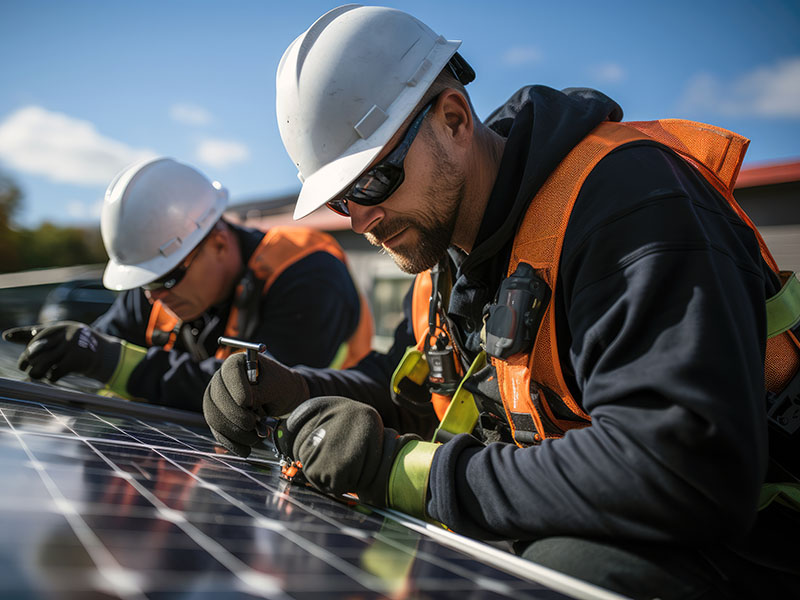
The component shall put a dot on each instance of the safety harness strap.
(787, 494)
(462, 413)
(783, 309)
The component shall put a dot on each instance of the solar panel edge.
(39, 392)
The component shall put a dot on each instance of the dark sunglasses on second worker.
(381, 181)
(171, 279)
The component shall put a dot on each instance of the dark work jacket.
(293, 323)
(661, 324)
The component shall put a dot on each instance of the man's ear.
(457, 115)
(220, 240)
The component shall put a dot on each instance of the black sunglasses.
(171, 279)
(381, 181)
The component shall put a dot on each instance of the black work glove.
(343, 447)
(233, 407)
(57, 349)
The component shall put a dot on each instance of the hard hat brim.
(127, 277)
(332, 179)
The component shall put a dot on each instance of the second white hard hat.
(345, 86)
(155, 212)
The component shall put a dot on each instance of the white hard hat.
(155, 212)
(345, 86)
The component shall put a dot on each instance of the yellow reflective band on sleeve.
(787, 494)
(408, 482)
(783, 309)
(462, 414)
(413, 366)
(341, 355)
(129, 357)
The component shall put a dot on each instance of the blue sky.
(87, 87)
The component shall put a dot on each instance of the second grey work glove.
(233, 406)
(66, 347)
(344, 447)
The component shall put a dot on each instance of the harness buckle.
(443, 376)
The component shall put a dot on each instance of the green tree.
(48, 245)
(10, 203)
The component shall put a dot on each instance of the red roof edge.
(769, 174)
(323, 219)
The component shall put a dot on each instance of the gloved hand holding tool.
(246, 389)
(343, 447)
(56, 349)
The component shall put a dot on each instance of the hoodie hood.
(541, 125)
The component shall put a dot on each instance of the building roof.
(278, 211)
(769, 174)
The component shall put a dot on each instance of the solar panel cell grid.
(100, 505)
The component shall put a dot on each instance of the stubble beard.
(434, 228)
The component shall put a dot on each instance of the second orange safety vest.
(280, 248)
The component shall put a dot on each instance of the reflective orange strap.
(162, 319)
(538, 243)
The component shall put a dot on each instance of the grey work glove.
(233, 406)
(57, 349)
(343, 447)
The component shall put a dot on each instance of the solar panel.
(105, 498)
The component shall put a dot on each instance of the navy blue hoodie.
(661, 329)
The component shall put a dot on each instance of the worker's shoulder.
(319, 268)
(636, 195)
(642, 169)
(316, 277)
(633, 176)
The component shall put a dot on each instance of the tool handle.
(251, 362)
(234, 343)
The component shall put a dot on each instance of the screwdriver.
(251, 368)
(267, 427)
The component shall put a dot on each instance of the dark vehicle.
(80, 300)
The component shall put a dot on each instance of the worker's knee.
(634, 570)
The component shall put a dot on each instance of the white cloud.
(190, 114)
(769, 91)
(608, 72)
(86, 211)
(222, 153)
(62, 148)
(521, 55)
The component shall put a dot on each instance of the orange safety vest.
(532, 384)
(280, 248)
